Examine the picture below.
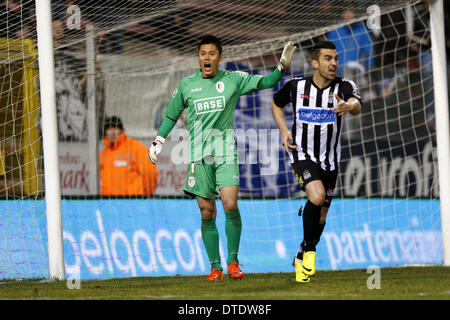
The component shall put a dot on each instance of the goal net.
(125, 58)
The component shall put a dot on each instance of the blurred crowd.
(390, 59)
(392, 55)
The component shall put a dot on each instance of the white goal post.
(437, 24)
(50, 140)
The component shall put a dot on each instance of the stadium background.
(387, 208)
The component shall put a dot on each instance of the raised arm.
(270, 80)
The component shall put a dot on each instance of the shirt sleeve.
(283, 96)
(246, 82)
(176, 104)
(350, 90)
(268, 81)
(166, 126)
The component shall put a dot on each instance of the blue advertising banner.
(161, 237)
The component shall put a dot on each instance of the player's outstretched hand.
(286, 56)
(342, 106)
(155, 149)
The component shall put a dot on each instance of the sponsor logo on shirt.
(306, 174)
(316, 115)
(196, 90)
(207, 105)
(243, 74)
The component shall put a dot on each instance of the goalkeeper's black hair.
(210, 39)
(321, 45)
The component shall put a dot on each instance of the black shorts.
(306, 171)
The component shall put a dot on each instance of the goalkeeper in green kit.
(209, 97)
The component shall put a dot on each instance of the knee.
(317, 198)
(207, 212)
(229, 205)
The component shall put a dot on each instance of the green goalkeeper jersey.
(210, 105)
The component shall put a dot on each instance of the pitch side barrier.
(161, 237)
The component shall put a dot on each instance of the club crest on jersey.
(191, 182)
(220, 86)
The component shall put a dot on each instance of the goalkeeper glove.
(286, 56)
(155, 148)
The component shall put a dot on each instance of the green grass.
(396, 283)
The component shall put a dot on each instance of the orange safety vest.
(125, 168)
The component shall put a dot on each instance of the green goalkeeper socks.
(210, 237)
(233, 227)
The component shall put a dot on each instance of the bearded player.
(209, 97)
(319, 103)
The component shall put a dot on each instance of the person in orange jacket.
(124, 166)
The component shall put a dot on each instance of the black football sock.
(311, 216)
(319, 232)
(301, 250)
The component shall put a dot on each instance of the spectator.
(124, 165)
(171, 30)
(15, 19)
(58, 31)
(102, 14)
(105, 15)
(420, 47)
(354, 46)
(390, 47)
(356, 57)
(58, 9)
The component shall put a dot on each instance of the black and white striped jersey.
(316, 129)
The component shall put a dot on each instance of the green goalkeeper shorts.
(205, 179)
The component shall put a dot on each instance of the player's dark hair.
(210, 39)
(321, 45)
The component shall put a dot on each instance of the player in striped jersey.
(319, 103)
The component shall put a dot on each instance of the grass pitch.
(401, 283)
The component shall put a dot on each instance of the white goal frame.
(50, 139)
(50, 132)
(442, 118)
